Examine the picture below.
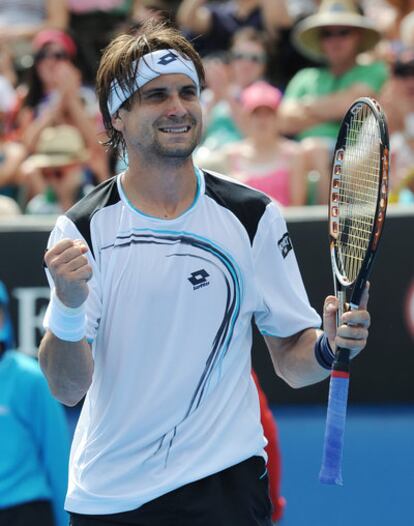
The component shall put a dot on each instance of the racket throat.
(342, 361)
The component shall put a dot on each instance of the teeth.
(175, 130)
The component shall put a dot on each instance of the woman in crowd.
(56, 96)
(263, 159)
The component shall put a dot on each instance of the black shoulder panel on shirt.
(105, 194)
(247, 204)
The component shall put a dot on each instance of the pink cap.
(54, 36)
(261, 94)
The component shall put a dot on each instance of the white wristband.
(66, 323)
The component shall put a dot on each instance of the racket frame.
(342, 283)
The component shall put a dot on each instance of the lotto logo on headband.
(151, 66)
(167, 59)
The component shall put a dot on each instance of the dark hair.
(118, 60)
(35, 91)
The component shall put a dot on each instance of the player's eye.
(155, 95)
(189, 92)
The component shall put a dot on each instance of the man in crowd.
(317, 98)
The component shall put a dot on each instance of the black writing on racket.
(357, 206)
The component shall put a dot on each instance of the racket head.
(358, 194)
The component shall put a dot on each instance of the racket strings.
(358, 191)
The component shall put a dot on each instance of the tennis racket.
(357, 206)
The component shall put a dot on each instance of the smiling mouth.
(180, 129)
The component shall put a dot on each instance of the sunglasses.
(404, 70)
(335, 33)
(257, 58)
(58, 172)
(54, 173)
(56, 55)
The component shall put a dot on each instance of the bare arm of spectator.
(57, 16)
(194, 15)
(275, 14)
(298, 115)
(14, 155)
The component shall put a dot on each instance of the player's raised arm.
(64, 354)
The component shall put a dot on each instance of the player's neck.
(164, 192)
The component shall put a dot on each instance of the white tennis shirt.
(169, 314)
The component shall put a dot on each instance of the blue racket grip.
(331, 470)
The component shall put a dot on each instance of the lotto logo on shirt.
(198, 279)
(285, 245)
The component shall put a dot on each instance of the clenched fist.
(70, 271)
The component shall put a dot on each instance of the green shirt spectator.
(312, 83)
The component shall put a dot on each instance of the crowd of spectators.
(279, 77)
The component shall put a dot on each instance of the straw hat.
(59, 146)
(333, 13)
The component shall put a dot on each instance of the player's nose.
(176, 106)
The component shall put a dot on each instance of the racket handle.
(331, 469)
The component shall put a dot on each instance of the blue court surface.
(378, 467)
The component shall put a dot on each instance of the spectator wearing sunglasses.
(56, 96)
(317, 98)
(227, 75)
(59, 159)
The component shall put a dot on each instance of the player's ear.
(116, 121)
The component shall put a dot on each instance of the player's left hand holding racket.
(358, 201)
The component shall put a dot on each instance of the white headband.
(151, 66)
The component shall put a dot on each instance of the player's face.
(164, 120)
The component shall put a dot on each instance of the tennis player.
(156, 276)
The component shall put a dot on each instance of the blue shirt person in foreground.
(156, 277)
(34, 438)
